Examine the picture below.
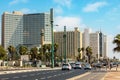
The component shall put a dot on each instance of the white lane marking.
(49, 76)
(59, 74)
(42, 78)
(36, 79)
(44, 73)
(32, 74)
(5, 78)
(16, 77)
(38, 74)
(48, 72)
(24, 76)
(54, 75)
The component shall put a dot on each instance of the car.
(97, 65)
(72, 65)
(78, 65)
(87, 66)
(66, 66)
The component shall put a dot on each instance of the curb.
(30, 70)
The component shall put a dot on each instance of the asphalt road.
(43, 75)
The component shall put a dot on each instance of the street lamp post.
(52, 34)
(64, 37)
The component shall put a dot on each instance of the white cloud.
(17, 1)
(94, 7)
(26, 10)
(58, 10)
(64, 2)
(69, 22)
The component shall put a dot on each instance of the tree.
(2, 53)
(79, 55)
(13, 53)
(117, 42)
(89, 53)
(34, 53)
(23, 50)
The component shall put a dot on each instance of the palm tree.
(23, 50)
(79, 55)
(117, 42)
(34, 53)
(13, 53)
(89, 53)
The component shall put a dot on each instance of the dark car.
(97, 65)
(87, 66)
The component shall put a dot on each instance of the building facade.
(98, 44)
(25, 29)
(73, 42)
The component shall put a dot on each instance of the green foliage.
(23, 50)
(79, 55)
(89, 53)
(12, 51)
(2, 53)
(34, 53)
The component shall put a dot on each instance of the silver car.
(66, 66)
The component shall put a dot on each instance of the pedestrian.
(110, 66)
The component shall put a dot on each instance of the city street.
(43, 75)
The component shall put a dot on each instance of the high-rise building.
(73, 42)
(25, 29)
(94, 44)
(98, 44)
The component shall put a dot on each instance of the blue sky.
(94, 14)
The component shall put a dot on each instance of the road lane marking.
(49, 76)
(4, 78)
(16, 77)
(24, 76)
(55, 75)
(79, 76)
(44, 73)
(32, 74)
(37, 73)
(59, 74)
(42, 78)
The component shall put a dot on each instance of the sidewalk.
(112, 74)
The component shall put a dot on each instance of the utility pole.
(64, 37)
(52, 34)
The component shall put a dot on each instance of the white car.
(66, 66)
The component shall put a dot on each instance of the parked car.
(66, 66)
(87, 66)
